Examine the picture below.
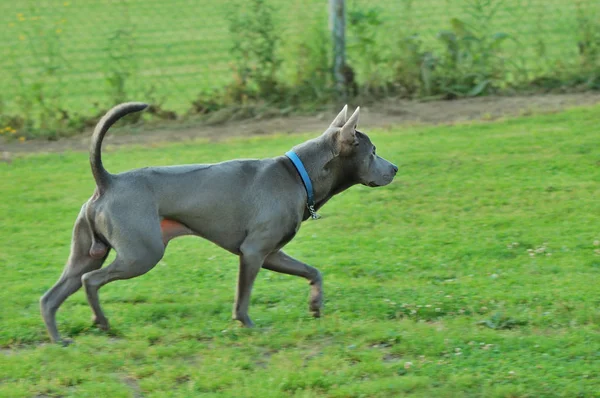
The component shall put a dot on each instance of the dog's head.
(357, 153)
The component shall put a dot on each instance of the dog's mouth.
(386, 180)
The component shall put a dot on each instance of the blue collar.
(306, 180)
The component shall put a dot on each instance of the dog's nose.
(395, 168)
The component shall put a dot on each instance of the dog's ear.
(345, 138)
(341, 118)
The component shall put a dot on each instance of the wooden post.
(337, 25)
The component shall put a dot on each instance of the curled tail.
(102, 176)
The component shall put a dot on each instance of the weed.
(498, 321)
(310, 79)
(41, 38)
(588, 44)
(255, 40)
(413, 67)
(469, 64)
(363, 26)
(472, 63)
(207, 102)
(121, 63)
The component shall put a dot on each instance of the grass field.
(76, 54)
(474, 274)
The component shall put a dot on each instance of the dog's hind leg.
(139, 246)
(80, 261)
(281, 262)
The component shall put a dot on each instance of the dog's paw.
(316, 303)
(101, 323)
(65, 342)
(248, 324)
(244, 320)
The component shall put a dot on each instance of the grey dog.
(251, 208)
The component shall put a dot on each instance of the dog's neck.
(328, 173)
(333, 180)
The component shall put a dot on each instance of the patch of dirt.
(133, 385)
(383, 114)
(7, 351)
(392, 358)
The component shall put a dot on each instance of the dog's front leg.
(281, 262)
(250, 263)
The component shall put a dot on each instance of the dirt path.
(383, 114)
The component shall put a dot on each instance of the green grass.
(426, 292)
(174, 50)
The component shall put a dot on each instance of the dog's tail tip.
(134, 106)
(117, 112)
(121, 110)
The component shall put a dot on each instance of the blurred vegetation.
(242, 59)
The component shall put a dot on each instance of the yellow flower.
(66, 4)
(21, 37)
(20, 17)
(58, 31)
(13, 131)
(35, 18)
(22, 139)
(10, 25)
